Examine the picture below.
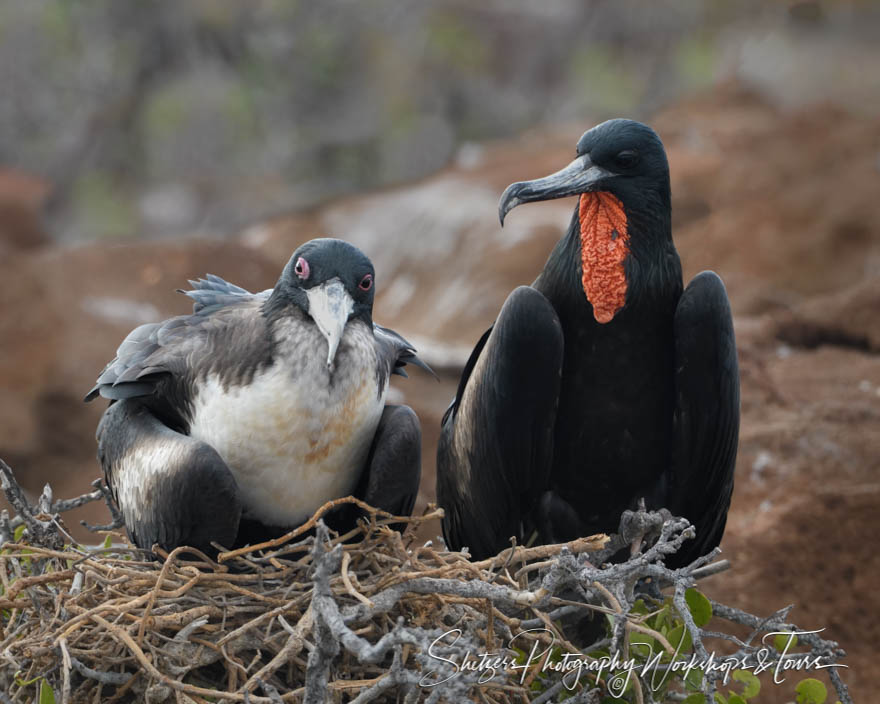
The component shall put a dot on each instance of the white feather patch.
(140, 468)
(299, 433)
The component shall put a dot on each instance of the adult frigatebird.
(602, 383)
(235, 423)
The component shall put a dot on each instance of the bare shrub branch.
(368, 615)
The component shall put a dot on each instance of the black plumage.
(602, 383)
(234, 423)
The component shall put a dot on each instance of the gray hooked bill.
(330, 305)
(580, 176)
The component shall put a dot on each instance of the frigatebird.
(605, 381)
(235, 423)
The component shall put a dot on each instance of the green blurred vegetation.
(228, 100)
(603, 81)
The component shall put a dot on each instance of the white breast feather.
(292, 439)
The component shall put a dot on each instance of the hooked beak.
(330, 305)
(578, 177)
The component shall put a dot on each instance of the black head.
(619, 156)
(330, 280)
(319, 261)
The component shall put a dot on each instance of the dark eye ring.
(366, 282)
(627, 158)
(302, 268)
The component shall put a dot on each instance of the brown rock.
(21, 201)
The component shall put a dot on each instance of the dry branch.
(312, 618)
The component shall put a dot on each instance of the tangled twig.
(360, 617)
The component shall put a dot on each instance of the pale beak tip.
(509, 200)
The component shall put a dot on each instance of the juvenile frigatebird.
(237, 422)
(604, 381)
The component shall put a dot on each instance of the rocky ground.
(782, 204)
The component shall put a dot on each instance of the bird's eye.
(627, 158)
(302, 268)
(366, 283)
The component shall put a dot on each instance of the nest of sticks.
(107, 624)
(372, 615)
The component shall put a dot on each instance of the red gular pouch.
(604, 246)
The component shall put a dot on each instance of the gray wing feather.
(394, 348)
(154, 350)
(212, 293)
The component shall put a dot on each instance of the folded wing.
(706, 420)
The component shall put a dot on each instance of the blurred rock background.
(142, 144)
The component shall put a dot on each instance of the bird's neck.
(275, 305)
(613, 256)
(603, 236)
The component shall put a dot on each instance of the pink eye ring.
(302, 268)
(366, 283)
